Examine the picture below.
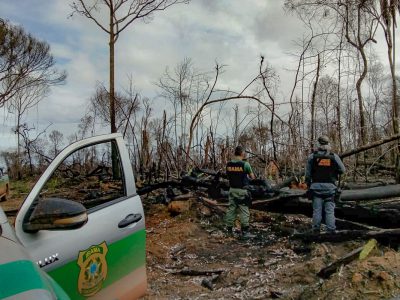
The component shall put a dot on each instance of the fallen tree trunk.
(379, 213)
(385, 236)
(363, 185)
(380, 192)
(370, 146)
(374, 193)
(358, 206)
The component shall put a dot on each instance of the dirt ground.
(268, 266)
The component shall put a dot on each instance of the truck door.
(105, 257)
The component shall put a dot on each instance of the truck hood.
(6, 230)
(24, 278)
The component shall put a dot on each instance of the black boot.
(228, 230)
(246, 233)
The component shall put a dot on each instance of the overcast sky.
(232, 32)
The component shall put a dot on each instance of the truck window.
(92, 176)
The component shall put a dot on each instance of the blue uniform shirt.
(323, 186)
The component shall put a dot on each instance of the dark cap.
(323, 140)
(239, 150)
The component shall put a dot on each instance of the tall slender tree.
(121, 14)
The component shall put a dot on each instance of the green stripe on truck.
(123, 257)
(20, 276)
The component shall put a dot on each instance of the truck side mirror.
(56, 214)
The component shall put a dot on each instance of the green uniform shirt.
(247, 167)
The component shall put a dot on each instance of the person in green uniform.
(238, 172)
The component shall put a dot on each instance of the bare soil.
(268, 266)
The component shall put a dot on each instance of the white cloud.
(232, 32)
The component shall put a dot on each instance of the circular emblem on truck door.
(93, 264)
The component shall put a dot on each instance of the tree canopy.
(24, 62)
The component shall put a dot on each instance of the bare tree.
(32, 145)
(23, 100)
(388, 14)
(56, 139)
(268, 78)
(126, 105)
(25, 62)
(121, 14)
(358, 26)
(177, 87)
(230, 95)
(387, 19)
(313, 100)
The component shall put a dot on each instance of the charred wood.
(373, 193)
(384, 236)
(192, 272)
(151, 187)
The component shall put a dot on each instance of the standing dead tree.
(121, 14)
(386, 16)
(267, 75)
(313, 100)
(56, 140)
(30, 144)
(23, 101)
(359, 28)
(229, 96)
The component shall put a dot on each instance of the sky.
(232, 32)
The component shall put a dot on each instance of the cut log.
(333, 267)
(361, 253)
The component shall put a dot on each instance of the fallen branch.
(191, 272)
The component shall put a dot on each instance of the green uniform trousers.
(235, 196)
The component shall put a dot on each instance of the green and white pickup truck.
(80, 233)
(4, 186)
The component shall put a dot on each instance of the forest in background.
(340, 88)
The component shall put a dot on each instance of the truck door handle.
(129, 219)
